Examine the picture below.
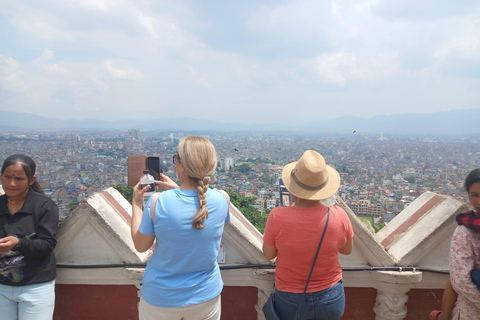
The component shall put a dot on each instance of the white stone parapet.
(98, 232)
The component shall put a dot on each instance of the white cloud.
(149, 24)
(198, 78)
(101, 85)
(11, 74)
(463, 40)
(338, 68)
(39, 24)
(130, 73)
(43, 62)
(332, 68)
(44, 57)
(97, 4)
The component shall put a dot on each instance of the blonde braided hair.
(200, 161)
(202, 213)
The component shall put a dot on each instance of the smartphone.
(153, 166)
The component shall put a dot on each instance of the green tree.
(427, 184)
(243, 168)
(126, 191)
(73, 205)
(379, 227)
(410, 179)
(244, 204)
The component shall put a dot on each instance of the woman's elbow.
(346, 251)
(269, 256)
(347, 248)
(141, 248)
(269, 253)
(142, 243)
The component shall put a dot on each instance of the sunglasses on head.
(176, 157)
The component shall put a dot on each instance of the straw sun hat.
(310, 178)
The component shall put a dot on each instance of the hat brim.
(326, 192)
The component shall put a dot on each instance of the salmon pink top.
(296, 232)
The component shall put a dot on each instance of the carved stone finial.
(392, 288)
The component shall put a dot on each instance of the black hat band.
(306, 186)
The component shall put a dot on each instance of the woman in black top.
(28, 228)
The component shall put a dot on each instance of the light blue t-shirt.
(183, 269)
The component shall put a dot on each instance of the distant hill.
(457, 122)
(18, 120)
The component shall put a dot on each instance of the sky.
(263, 61)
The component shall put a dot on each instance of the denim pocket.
(291, 299)
(335, 305)
(336, 293)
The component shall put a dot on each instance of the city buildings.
(380, 175)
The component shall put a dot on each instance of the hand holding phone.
(166, 183)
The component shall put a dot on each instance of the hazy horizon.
(454, 123)
(229, 120)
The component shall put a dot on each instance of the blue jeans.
(327, 304)
(30, 302)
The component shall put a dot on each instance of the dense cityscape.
(380, 174)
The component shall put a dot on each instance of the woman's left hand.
(8, 243)
(138, 193)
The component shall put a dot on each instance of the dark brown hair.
(473, 177)
(28, 166)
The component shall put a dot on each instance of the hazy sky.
(256, 61)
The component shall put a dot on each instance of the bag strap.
(153, 204)
(318, 249)
(313, 265)
(225, 194)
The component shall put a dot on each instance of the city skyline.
(273, 62)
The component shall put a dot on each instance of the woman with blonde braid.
(182, 279)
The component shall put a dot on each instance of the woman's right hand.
(8, 243)
(142, 242)
(165, 183)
